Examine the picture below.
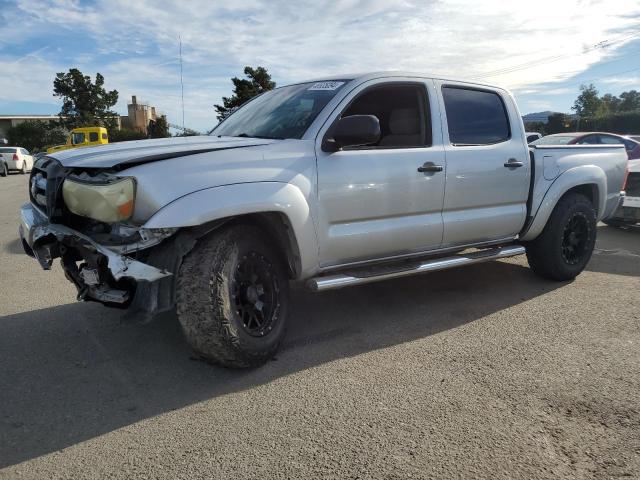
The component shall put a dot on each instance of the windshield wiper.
(246, 135)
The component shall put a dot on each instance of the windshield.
(553, 140)
(7, 150)
(77, 138)
(285, 112)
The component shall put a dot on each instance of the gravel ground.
(482, 372)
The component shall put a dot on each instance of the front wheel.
(563, 249)
(23, 170)
(233, 297)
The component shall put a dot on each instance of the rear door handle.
(429, 167)
(513, 163)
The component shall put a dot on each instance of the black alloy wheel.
(575, 238)
(255, 293)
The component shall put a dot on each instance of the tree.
(588, 102)
(35, 135)
(158, 128)
(609, 104)
(558, 123)
(629, 101)
(84, 103)
(539, 127)
(258, 81)
(125, 134)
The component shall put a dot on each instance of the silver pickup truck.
(334, 182)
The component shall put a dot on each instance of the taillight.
(15, 157)
(626, 176)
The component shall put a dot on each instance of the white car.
(15, 158)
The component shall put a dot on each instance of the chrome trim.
(320, 284)
(35, 226)
(408, 256)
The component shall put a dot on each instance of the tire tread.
(202, 305)
(541, 252)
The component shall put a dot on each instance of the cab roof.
(362, 77)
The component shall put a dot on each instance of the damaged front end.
(85, 226)
(98, 272)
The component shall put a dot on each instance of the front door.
(373, 201)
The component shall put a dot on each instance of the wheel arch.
(279, 209)
(276, 226)
(589, 180)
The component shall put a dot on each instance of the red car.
(592, 138)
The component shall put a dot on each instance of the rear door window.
(609, 140)
(589, 140)
(630, 145)
(93, 136)
(475, 117)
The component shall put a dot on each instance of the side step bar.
(329, 282)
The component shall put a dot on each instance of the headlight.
(106, 202)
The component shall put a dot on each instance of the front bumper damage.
(100, 273)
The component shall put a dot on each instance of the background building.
(8, 121)
(139, 116)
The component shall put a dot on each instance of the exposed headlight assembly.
(108, 202)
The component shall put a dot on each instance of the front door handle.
(429, 167)
(513, 163)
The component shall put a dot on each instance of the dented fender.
(210, 204)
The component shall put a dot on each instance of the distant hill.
(542, 116)
(538, 116)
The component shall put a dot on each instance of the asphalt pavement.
(481, 372)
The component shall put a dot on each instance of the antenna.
(181, 82)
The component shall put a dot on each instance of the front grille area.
(46, 178)
(632, 188)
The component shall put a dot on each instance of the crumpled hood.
(145, 151)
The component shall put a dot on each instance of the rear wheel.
(233, 297)
(564, 247)
(23, 170)
(4, 171)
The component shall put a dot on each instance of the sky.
(542, 51)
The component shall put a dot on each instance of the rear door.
(488, 167)
(372, 201)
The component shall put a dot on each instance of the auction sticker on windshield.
(326, 86)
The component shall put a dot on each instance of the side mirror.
(353, 131)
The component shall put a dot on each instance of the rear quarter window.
(475, 117)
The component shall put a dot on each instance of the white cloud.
(626, 81)
(298, 40)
